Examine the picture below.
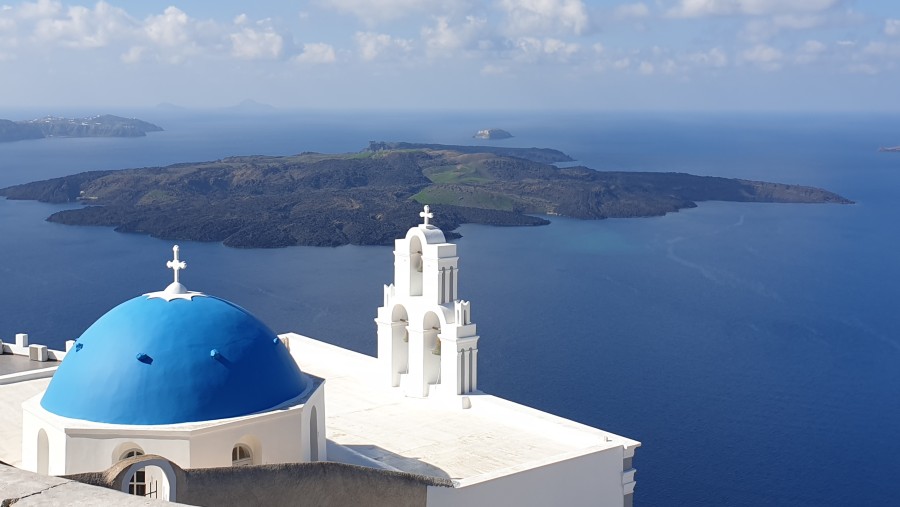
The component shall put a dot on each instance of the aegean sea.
(752, 348)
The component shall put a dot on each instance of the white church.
(178, 380)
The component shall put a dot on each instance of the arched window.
(43, 453)
(415, 266)
(241, 456)
(137, 485)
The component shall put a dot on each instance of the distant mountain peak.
(251, 105)
(168, 106)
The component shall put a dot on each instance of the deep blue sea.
(754, 349)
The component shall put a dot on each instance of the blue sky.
(438, 54)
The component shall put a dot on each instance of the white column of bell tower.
(426, 341)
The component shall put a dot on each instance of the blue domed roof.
(157, 361)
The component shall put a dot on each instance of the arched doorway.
(43, 453)
(157, 476)
(137, 483)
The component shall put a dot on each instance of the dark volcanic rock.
(372, 197)
(543, 155)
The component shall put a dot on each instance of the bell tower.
(426, 339)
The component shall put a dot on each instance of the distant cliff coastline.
(106, 125)
(373, 196)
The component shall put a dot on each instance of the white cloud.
(701, 8)
(83, 28)
(810, 51)
(169, 37)
(882, 49)
(8, 39)
(558, 47)
(761, 30)
(636, 10)
(533, 49)
(134, 54)
(536, 17)
(715, 57)
(376, 11)
(797, 21)
(646, 68)
(7, 24)
(892, 27)
(317, 52)
(445, 40)
(381, 45)
(766, 57)
(494, 70)
(251, 44)
(622, 63)
(39, 10)
(862, 68)
(668, 66)
(169, 28)
(813, 46)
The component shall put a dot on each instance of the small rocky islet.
(490, 134)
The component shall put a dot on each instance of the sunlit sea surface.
(754, 349)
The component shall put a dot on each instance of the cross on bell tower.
(426, 214)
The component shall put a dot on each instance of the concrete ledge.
(12, 348)
(341, 454)
(22, 376)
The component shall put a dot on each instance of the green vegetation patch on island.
(105, 125)
(372, 197)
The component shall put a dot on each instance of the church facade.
(201, 383)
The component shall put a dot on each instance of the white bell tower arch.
(426, 339)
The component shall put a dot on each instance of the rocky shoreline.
(373, 196)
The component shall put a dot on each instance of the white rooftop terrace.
(11, 397)
(432, 436)
(435, 436)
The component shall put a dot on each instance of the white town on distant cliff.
(198, 382)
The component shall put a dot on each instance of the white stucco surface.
(11, 398)
(280, 435)
(436, 436)
(590, 479)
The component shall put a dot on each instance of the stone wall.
(301, 484)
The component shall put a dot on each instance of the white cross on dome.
(175, 264)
